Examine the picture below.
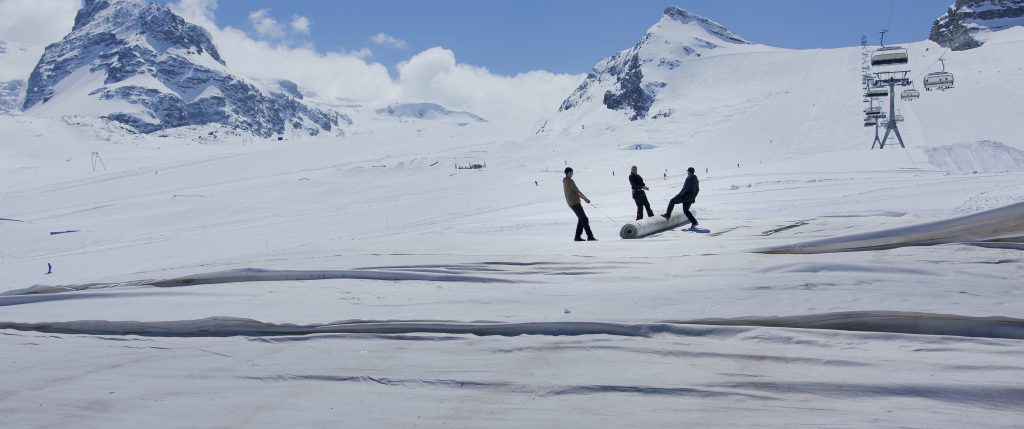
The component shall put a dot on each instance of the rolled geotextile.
(651, 225)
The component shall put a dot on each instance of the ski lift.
(910, 94)
(888, 55)
(877, 92)
(940, 80)
(874, 112)
(870, 122)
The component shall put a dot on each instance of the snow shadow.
(1002, 227)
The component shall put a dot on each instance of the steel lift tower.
(891, 79)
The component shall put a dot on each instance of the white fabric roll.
(651, 225)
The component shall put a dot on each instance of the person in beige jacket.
(572, 197)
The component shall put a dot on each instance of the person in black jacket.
(687, 196)
(639, 196)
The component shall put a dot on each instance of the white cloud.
(198, 12)
(433, 75)
(37, 22)
(266, 25)
(300, 24)
(389, 40)
(362, 53)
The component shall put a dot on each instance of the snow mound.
(1004, 224)
(979, 156)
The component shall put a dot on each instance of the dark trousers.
(583, 224)
(678, 199)
(640, 197)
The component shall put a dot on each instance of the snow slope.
(365, 281)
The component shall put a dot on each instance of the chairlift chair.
(909, 94)
(941, 80)
(938, 80)
(889, 55)
(877, 92)
(870, 122)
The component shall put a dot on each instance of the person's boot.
(666, 216)
(591, 239)
(578, 239)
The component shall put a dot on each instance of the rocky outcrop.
(958, 27)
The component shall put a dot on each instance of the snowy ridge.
(631, 80)
(428, 111)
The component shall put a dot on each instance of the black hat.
(690, 169)
(568, 170)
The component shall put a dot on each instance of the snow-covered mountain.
(139, 64)
(966, 22)
(695, 86)
(630, 81)
(428, 111)
(16, 60)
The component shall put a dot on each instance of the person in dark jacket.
(572, 198)
(639, 196)
(687, 196)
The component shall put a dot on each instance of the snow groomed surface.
(651, 225)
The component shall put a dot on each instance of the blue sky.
(570, 36)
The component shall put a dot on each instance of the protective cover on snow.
(651, 225)
(1005, 224)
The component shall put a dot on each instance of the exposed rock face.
(168, 70)
(620, 82)
(958, 27)
(10, 95)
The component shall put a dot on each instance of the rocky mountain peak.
(148, 68)
(630, 80)
(684, 17)
(126, 18)
(959, 28)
